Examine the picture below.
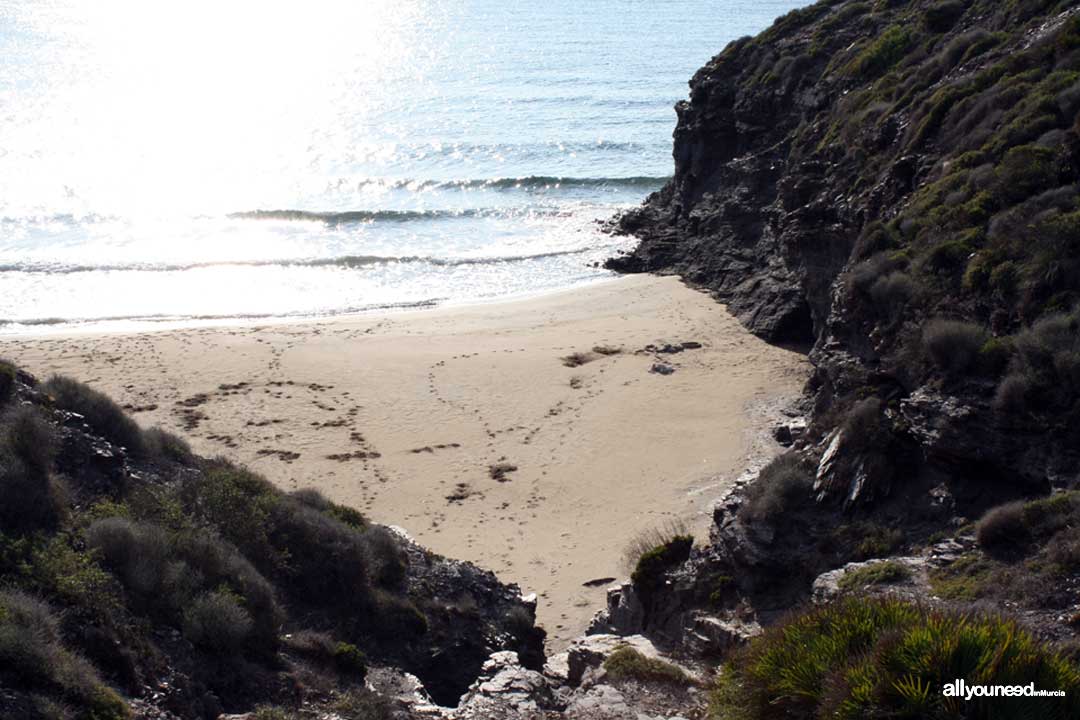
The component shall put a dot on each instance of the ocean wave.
(343, 261)
(345, 217)
(515, 183)
(9, 325)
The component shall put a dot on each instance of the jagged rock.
(505, 689)
(557, 668)
(601, 702)
(590, 652)
(624, 614)
(709, 635)
(827, 585)
(405, 690)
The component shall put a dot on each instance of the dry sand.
(404, 416)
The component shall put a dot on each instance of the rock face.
(819, 168)
(888, 185)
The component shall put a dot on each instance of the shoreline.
(134, 325)
(464, 426)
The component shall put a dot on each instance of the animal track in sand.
(356, 455)
(432, 448)
(285, 456)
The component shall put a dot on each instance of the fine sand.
(465, 426)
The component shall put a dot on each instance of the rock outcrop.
(893, 187)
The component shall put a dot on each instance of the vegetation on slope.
(128, 564)
(860, 658)
(897, 183)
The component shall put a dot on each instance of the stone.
(602, 702)
(505, 689)
(590, 651)
(782, 435)
(715, 636)
(624, 614)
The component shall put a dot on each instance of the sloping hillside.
(134, 574)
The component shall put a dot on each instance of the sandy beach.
(473, 428)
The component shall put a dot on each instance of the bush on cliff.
(626, 663)
(781, 487)
(953, 345)
(1014, 524)
(654, 563)
(942, 16)
(33, 654)
(101, 413)
(33, 498)
(860, 658)
(7, 380)
(1030, 555)
(882, 53)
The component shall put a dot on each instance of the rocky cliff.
(893, 186)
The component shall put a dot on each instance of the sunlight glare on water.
(224, 159)
(159, 108)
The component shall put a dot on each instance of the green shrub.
(326, 557)
(881, 54)
(858, 658)
(216, 621)
(56, 568)
(269, 712)
(316, 500)
(1045, 516)
(1044, 373)
(349, 659)
(779, 488)
(32, 650)
(239, 504)
(394, 617)
(1005, 279)
(162, 443)
(949, 256)
(7, 381)
(217, 563)
(892, 293)
(33, 499)
(994, 356)
(969, 578)
(1013, 393)
(362, 704)
(626, 663)
(139, 554)
(1025, 171)
(650, 538)
(102, 414)
(941, 17)
(165, 571)
(953, 345)
(1003, 527)
(876, 541)
(879, 573)
(654, 563)
(862, 422)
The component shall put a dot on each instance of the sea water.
(170, 162)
